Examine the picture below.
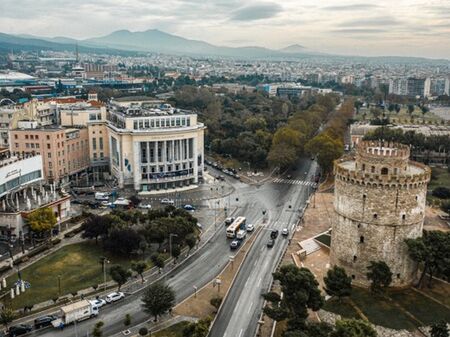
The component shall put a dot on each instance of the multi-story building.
(398, 86)
(65, 151)
(155, 149)
(418, 87)
(90, 115)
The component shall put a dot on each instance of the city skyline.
(403, 28)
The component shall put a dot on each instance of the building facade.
(379, 202)
(155, 149)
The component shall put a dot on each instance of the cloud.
(256, 12)
(359, 31)
(354, 7)
(371, 22)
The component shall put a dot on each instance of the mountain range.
(156, 41)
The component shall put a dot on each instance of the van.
(241, 234)
(101, 196)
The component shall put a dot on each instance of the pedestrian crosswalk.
(294, 182)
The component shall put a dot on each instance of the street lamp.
(104, 260)
(170, 243)
(59, 285)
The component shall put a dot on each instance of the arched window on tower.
(372, 169)
(384, 171)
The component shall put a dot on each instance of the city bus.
(238, 223)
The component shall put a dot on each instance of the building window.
(94, 143)
(26, 136)
(37, 145)
(361, 239)
(398, 275)
(384, 171)
(48, 137)
(48, 146)
(36, 137)
(372, 169)
(49, 155)
(17, 144)
(100, 143)
(375, 216)
(27, 145)
(355, 258)
(15, 136)
(353, 277)
(403, 216)
(95, 156)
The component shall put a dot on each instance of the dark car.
(274, 234)
(44, 321)
(270, 243)
(20, 329)
(235, 244)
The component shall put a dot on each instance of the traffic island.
(199, 303)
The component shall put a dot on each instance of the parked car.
(167, 201)
(189, 208)
(98, 302)
(115, 296)
(274, 234)
(43, 321)
(144, 206)
(235, 244)
(285, 232)
(270, 243)
(20, 329)
(250, 227)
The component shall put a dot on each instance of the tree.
(7, 315)
(42, 220)
(432, 250)
(157, 260)
(380, 274)
(176, 251)
(158, 299)
(353, 328)
(411, 108)
(97, 332)
(216, 302)
(301, 292)
(135, 201)
(198, 329)
(441, 192)
(326, 149)
(321, 329)
(123, 241)
(96, 226)
(127, 320)
(119, 275)
(338, 283)
(439, 329)
(139, 267)
(191, 241)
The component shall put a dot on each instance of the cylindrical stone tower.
(379, 201)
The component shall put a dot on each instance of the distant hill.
(125, 42)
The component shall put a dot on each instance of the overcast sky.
(391, 27)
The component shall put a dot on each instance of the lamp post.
(59, 285)
(104, 260)
(170, 242)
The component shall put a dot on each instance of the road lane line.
(240, 333)
(251, 304)
(259, 281)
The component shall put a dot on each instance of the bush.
(38, 250)
(56, 241)
(441, 192)
(445, 206)
(143, 332)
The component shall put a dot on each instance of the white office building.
(155, 149)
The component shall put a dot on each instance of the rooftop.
(140, 111)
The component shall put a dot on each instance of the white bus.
(238, 223)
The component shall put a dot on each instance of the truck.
(101, 196)
(241, 234)
(75, 312)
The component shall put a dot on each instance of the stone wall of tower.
(375, 213)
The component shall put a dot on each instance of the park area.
(77, 266)
(397, 309)
(175, 330)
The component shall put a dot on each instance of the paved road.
(209, 260)
(240, 312)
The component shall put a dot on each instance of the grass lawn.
(440, 291)
(175, 330)
(380, 311)
(78, 266)
(424, 309)
(440, 178)
(343, 308)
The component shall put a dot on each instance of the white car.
(115, 296)
(250, 227)
(145, 206)
(98, 302)
(167, 201)
(285, 232)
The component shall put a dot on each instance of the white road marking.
(251, 304)
(240, 333)
(259, 281)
